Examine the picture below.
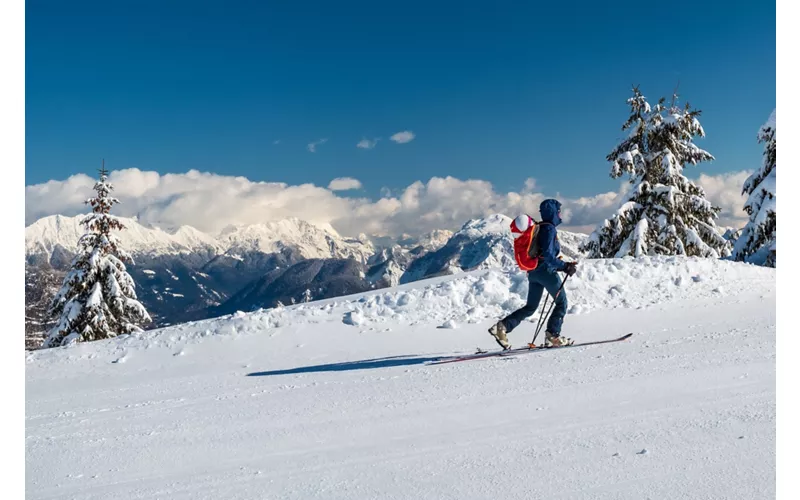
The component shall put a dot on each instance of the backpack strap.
(533, 246)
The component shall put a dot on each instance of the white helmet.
(521, 224)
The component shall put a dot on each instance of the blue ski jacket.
(550, 210)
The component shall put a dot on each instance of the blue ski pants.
(539, 280)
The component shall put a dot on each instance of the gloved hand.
(571, 268)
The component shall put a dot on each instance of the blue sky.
(500, 92)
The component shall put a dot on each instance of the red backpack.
(526, 249)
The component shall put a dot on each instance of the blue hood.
(549, 210)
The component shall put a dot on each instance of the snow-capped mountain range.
(183, 274)
(309, 240)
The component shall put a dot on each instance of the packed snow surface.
(338, 399)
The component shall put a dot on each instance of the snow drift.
(484, 295)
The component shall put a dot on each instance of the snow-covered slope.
(337, 399)
(481, 244)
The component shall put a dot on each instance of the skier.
(536, 251)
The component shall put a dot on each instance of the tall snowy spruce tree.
(665, 214)
(759, 235)
(97, 298)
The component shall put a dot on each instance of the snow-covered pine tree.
(665, 214)
(760, 233)
(307, 296)
(97, 299)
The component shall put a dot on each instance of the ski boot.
(498, 331)
(556, 340)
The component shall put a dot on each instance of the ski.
(523, 350)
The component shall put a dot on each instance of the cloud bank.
(725, 191)
(210, 202)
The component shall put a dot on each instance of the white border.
(12, 149)
(787, 341)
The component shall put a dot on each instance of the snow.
(435, 239)
(640, 233)
(294, 403)
(47, 233)
(96, 297)
(769, 183)
(354, 318)
(771, 121)
(312, 241)
(626, 157)
(669, 191)
(763, 199)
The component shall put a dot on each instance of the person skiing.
(536, 250)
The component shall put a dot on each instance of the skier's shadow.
(365, 364)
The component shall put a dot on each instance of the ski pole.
(541, 319)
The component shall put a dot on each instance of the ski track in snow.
(294, 403)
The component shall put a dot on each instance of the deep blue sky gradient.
(499, 91)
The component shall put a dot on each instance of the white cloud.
(582, 215)
(210, 202)
(344, 184)
(403, 137)
(725, 191)
(206, 201)
(276, 141)
(530, 185)
(367, 144)
(313, 145)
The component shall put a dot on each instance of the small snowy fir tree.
(307, 296)
(665, 214)
(97, 298)
(759, 235)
